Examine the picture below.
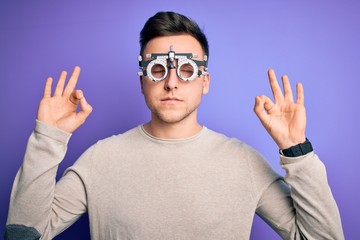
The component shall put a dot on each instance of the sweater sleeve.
(306, 209)
(40, 208)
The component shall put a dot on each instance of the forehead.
(181, 43)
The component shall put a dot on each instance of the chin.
(171, 117)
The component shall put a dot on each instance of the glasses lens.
(158, 71)
(186, 70)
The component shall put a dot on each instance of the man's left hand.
(285, 120)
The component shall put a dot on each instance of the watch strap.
(298, 150)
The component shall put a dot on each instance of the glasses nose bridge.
(172, 64)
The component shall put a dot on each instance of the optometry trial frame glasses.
(157, 68)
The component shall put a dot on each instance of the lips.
(170, 100)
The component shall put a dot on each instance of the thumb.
(85, 110)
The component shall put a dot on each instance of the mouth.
(170, 100)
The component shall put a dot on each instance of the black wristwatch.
(297, 150)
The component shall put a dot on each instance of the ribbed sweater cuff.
(52, 132)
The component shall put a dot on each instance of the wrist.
(287, 142)
(297, 150)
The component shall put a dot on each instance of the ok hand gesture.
(285, 120)
(59, 110)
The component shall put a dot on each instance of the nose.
(172, 80)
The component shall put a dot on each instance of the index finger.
(72, 81)
(275, 88)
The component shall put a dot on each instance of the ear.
(206, 83)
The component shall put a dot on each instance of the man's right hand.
(59, 110)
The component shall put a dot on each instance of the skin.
(173, 103)
(59, 110)
(284, 119)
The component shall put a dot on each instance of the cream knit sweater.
(135, 186)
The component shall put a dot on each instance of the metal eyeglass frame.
(161, 59)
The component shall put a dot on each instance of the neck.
(182, 129)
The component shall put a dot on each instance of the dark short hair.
(171, 23)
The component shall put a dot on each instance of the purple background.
(316, 43)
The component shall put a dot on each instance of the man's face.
(173, 100)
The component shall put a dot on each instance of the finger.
(60, 84)
(300, 93)
(259, 110)
(288, 95)
(268, 104)
(72, 81)
(47, 89)
(85, 111)
(276, 90)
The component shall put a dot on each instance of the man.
(171, 178)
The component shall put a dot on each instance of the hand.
(59, 110)
(285, 120)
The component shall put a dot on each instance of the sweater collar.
(150, 137)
